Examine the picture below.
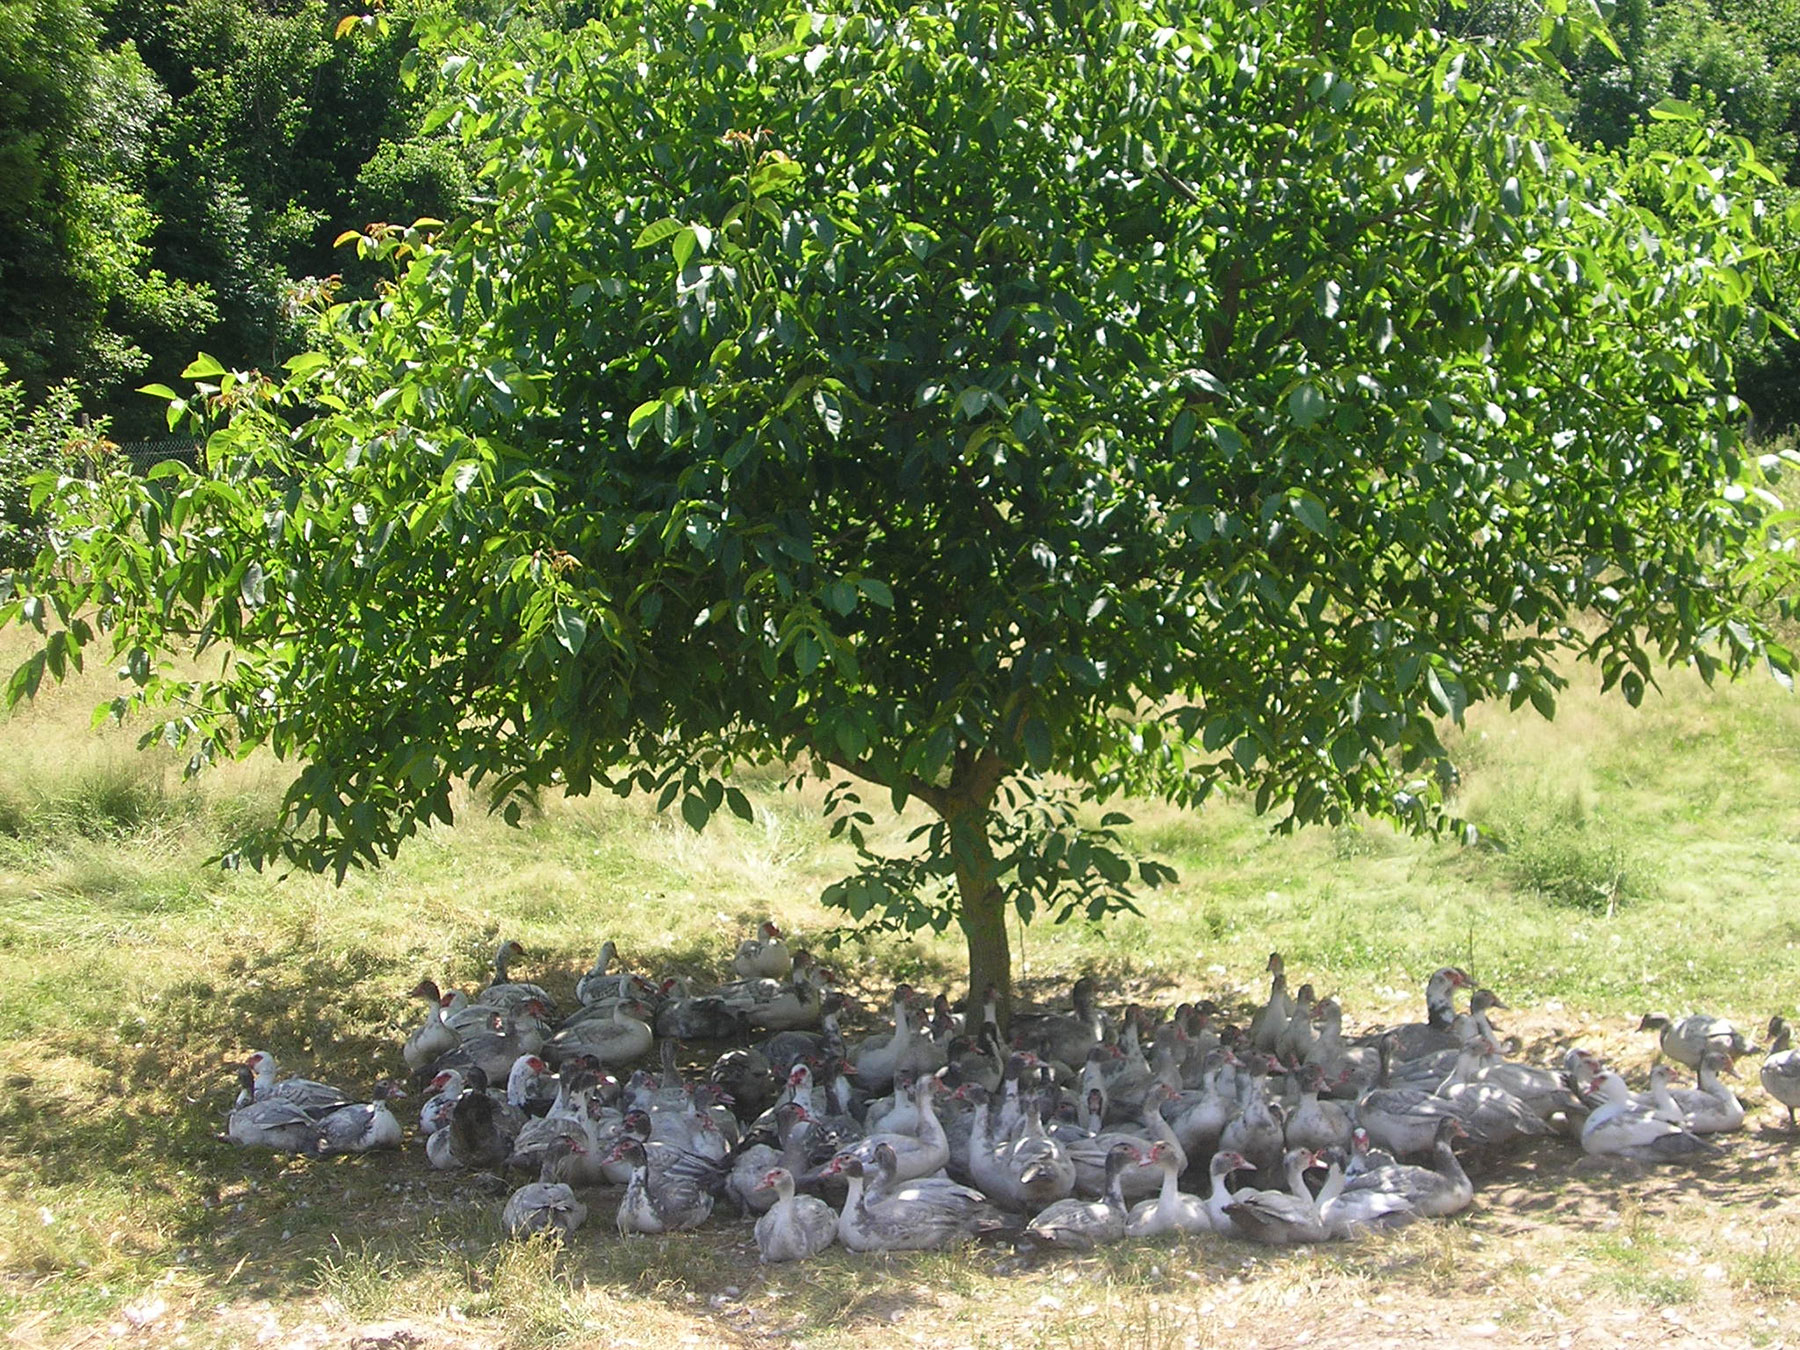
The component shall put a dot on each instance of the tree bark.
(981, 902)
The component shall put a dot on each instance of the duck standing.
(1781, 1068)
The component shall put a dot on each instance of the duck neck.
(1169, 1196)
(1221, 1197)
(1440, 1000)
(1296, 1178)
(1447, 1164)
(1115, 1188)
(930, 1129)
(1334, 1185)
(981, 1128)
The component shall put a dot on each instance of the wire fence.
(145, 455)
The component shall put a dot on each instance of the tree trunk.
(981, 903)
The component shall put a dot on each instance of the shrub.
(51, 436)
(1550, 843)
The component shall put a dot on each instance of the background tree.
(1154, 396)
(78, 294)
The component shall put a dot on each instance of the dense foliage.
(175, 170)
(175, 175)
(1155, 395)
(49, 434)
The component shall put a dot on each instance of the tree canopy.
(1146, 396)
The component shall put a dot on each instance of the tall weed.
(1551, 844)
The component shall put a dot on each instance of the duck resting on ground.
(274, 1124)
(362, 1127)
(1621, 1128)
(1711, 1108)
(547, 1205)
(1437, 1191)
(1082, 1224)
(1172, 1210)
(311, 1096)
(914, 1216)
(796, 1227)
(763, 957)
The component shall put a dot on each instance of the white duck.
(913, 1216)
(1280, 1217)
(1402, 1119)
(622, 1039)
(878, 1058)
(1090, 1155)
(1023, 1174)
(362, 1127)
(433, 1037)
(764, 956)
(1081, 1224)
(1316, 1124)
(1619, 1127)
(274, 1124)
(310, 1096)
(915, 1155)
(1352, 1213)
(1492, 1114)
(653, 1205)
(1173, 1210)
(443, 1091)
(1221, 1197)
(1711, 1109)
(796, 1227)
(1437, 1191)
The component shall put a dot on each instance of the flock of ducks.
(1076, 1128)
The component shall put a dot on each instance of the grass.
(1645, 863)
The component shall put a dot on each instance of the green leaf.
(695, 811)
(1034, 735)
(203, 367)
(1311, 512)
(1307, 404)
(158, 391)
(876, 591)
(657, 231)
(570, 628)
(739, 804)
